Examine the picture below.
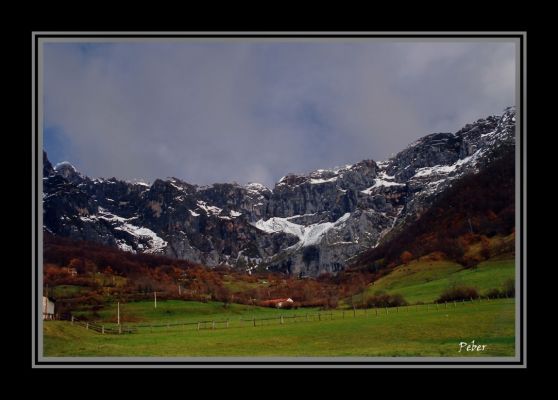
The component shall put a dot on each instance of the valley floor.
(418, 330)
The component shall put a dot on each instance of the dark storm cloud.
(230, 111)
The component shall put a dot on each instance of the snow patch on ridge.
(442, 169)
(318, 181)
(155, 243)
(209, 209)
(380, 183)
(308, 235)
(257, 187)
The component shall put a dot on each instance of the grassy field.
(172, 328)
(424, 281)
(171, 311)
(411, 331)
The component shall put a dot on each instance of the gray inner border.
(472, 362)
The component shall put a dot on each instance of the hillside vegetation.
(85, 276)
(425, 280)
(462, 222)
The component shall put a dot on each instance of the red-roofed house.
(277, 303)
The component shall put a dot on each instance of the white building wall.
(48, 308)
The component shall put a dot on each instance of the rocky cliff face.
(305, 225)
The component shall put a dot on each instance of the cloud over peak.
(223, 111)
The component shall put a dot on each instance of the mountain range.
(305, 225)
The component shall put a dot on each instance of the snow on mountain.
(209, 209)
(383, 180)
(318, 181)
(441, 169)
(155, 243)
(307, 235)
(256, 187)
(148, 241)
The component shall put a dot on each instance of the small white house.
(277, 303)
(48, 308)
(284, 302)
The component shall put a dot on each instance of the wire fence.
(281, 319)
(103, 329)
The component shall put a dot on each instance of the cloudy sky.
(253, 111)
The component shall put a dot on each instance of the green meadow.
(189, 328)
(177, 311)
(422, 330)
(424, 281)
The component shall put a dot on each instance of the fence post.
(254, 320)
(281, 319)
(87, 325)
(227, 323)
(198, 326)
(72, 319)
(119, 329)
(212, 324)
(319, 317)
(103, 329)
(376, 312)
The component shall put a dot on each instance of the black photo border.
(521, 36)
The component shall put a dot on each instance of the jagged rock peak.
(256, 187)
(68, 171)
(333, 176)
(47, 166)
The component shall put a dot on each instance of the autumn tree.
(406, 257)
(77, 264)
(485, 248)
(221, 293)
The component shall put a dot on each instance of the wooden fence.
(244, 322)
(102, 328)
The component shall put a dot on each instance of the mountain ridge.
(307, 224)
